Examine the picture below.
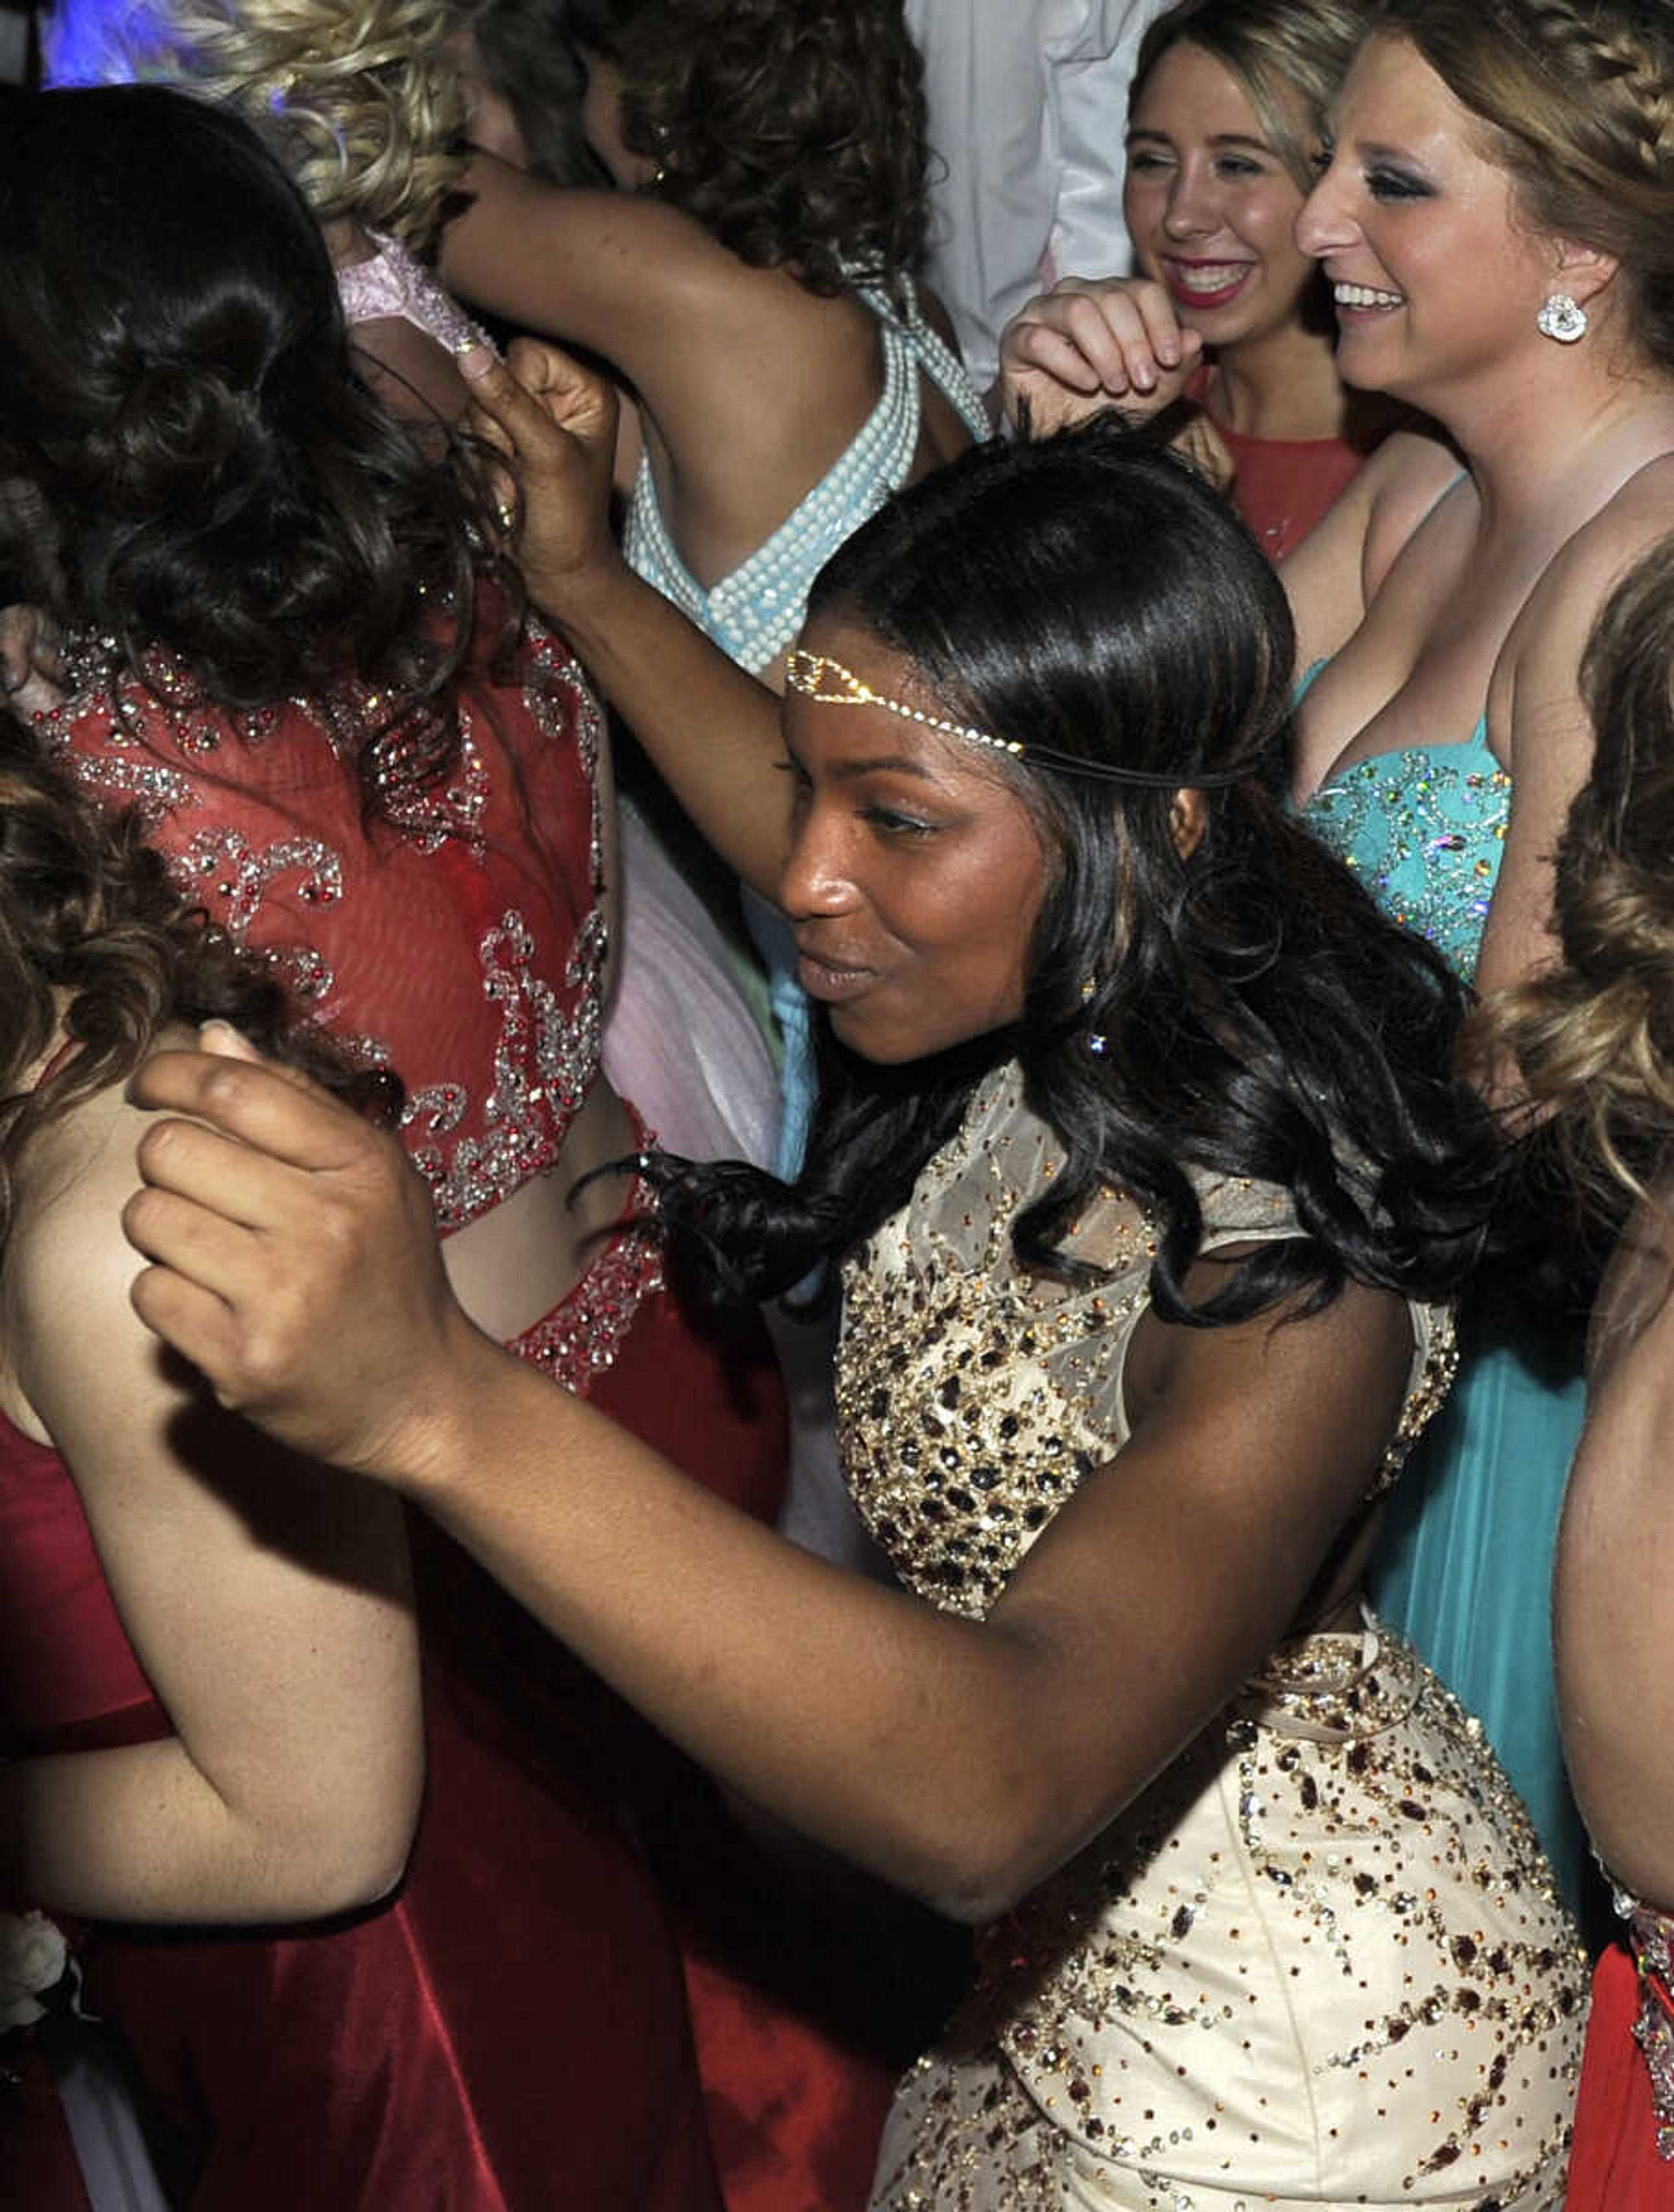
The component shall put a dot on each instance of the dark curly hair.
(794, 129)
(177, 385)
(97, 941)
(1089, 592)
(524, 53)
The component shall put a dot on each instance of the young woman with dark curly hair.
(289, 635)
(1150, 1185)
(753, 282)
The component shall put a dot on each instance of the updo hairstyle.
(176, 387)
(1578, 96)
(358, 98)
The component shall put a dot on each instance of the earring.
(1562, 319)
(1096, 1040)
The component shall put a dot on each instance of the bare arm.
(961, 1760)
(698, 334)
(266, 1602)
(1613, 1602)
(1538, 723)
(712, 730)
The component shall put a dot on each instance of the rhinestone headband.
(827, 682)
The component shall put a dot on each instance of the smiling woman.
(1497, 222)
(1224, 125)
(1148, 1189)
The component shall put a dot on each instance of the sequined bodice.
(1317, 1961)
(465, 946)
(755, 612)
(973, 1395)
(393, 284)
(1425, 829)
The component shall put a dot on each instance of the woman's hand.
(555, 422)
(293, 1260)
(1089, 343)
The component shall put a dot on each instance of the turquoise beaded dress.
(1464, 1562)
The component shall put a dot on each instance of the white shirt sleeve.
(1028, 103)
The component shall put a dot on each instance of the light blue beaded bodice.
(1424, 828)
(755, 612)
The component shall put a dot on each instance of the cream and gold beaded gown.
(1318, 1963)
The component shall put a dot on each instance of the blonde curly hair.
(353, 97)
(1594, 1037)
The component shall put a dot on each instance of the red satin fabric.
(1615, 2165)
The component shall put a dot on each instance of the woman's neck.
(1555, 425)
(1282, 384)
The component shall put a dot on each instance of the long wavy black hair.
(1257, 1014)
(211, 478)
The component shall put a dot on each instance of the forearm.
(894, 1734)
(711, 729)
(142, 1834)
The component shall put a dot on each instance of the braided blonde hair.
(1594, 1038)
(1579, 95)
(354, 96)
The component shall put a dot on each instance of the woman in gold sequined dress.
(1150, 1190)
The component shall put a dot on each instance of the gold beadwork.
(809, 672)
(1319, 1959)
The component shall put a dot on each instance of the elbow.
(343, 1859)
(976, 1867)
(358, 1876)
(976, 1889)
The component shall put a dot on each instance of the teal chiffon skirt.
(1464, 1565)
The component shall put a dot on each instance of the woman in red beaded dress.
(290, 639)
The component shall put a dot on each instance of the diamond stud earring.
(1562, 319)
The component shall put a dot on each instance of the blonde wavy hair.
(1593, 1038)
(354, 96)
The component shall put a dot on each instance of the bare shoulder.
(1336, 573)
(1407, 475)
(68, 1266)
(1537, 677)
(1589, 564)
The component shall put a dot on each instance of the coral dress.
(1319, 1961)
(509, 2032)
(1280, 486)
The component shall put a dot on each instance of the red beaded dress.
(508, 2033)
